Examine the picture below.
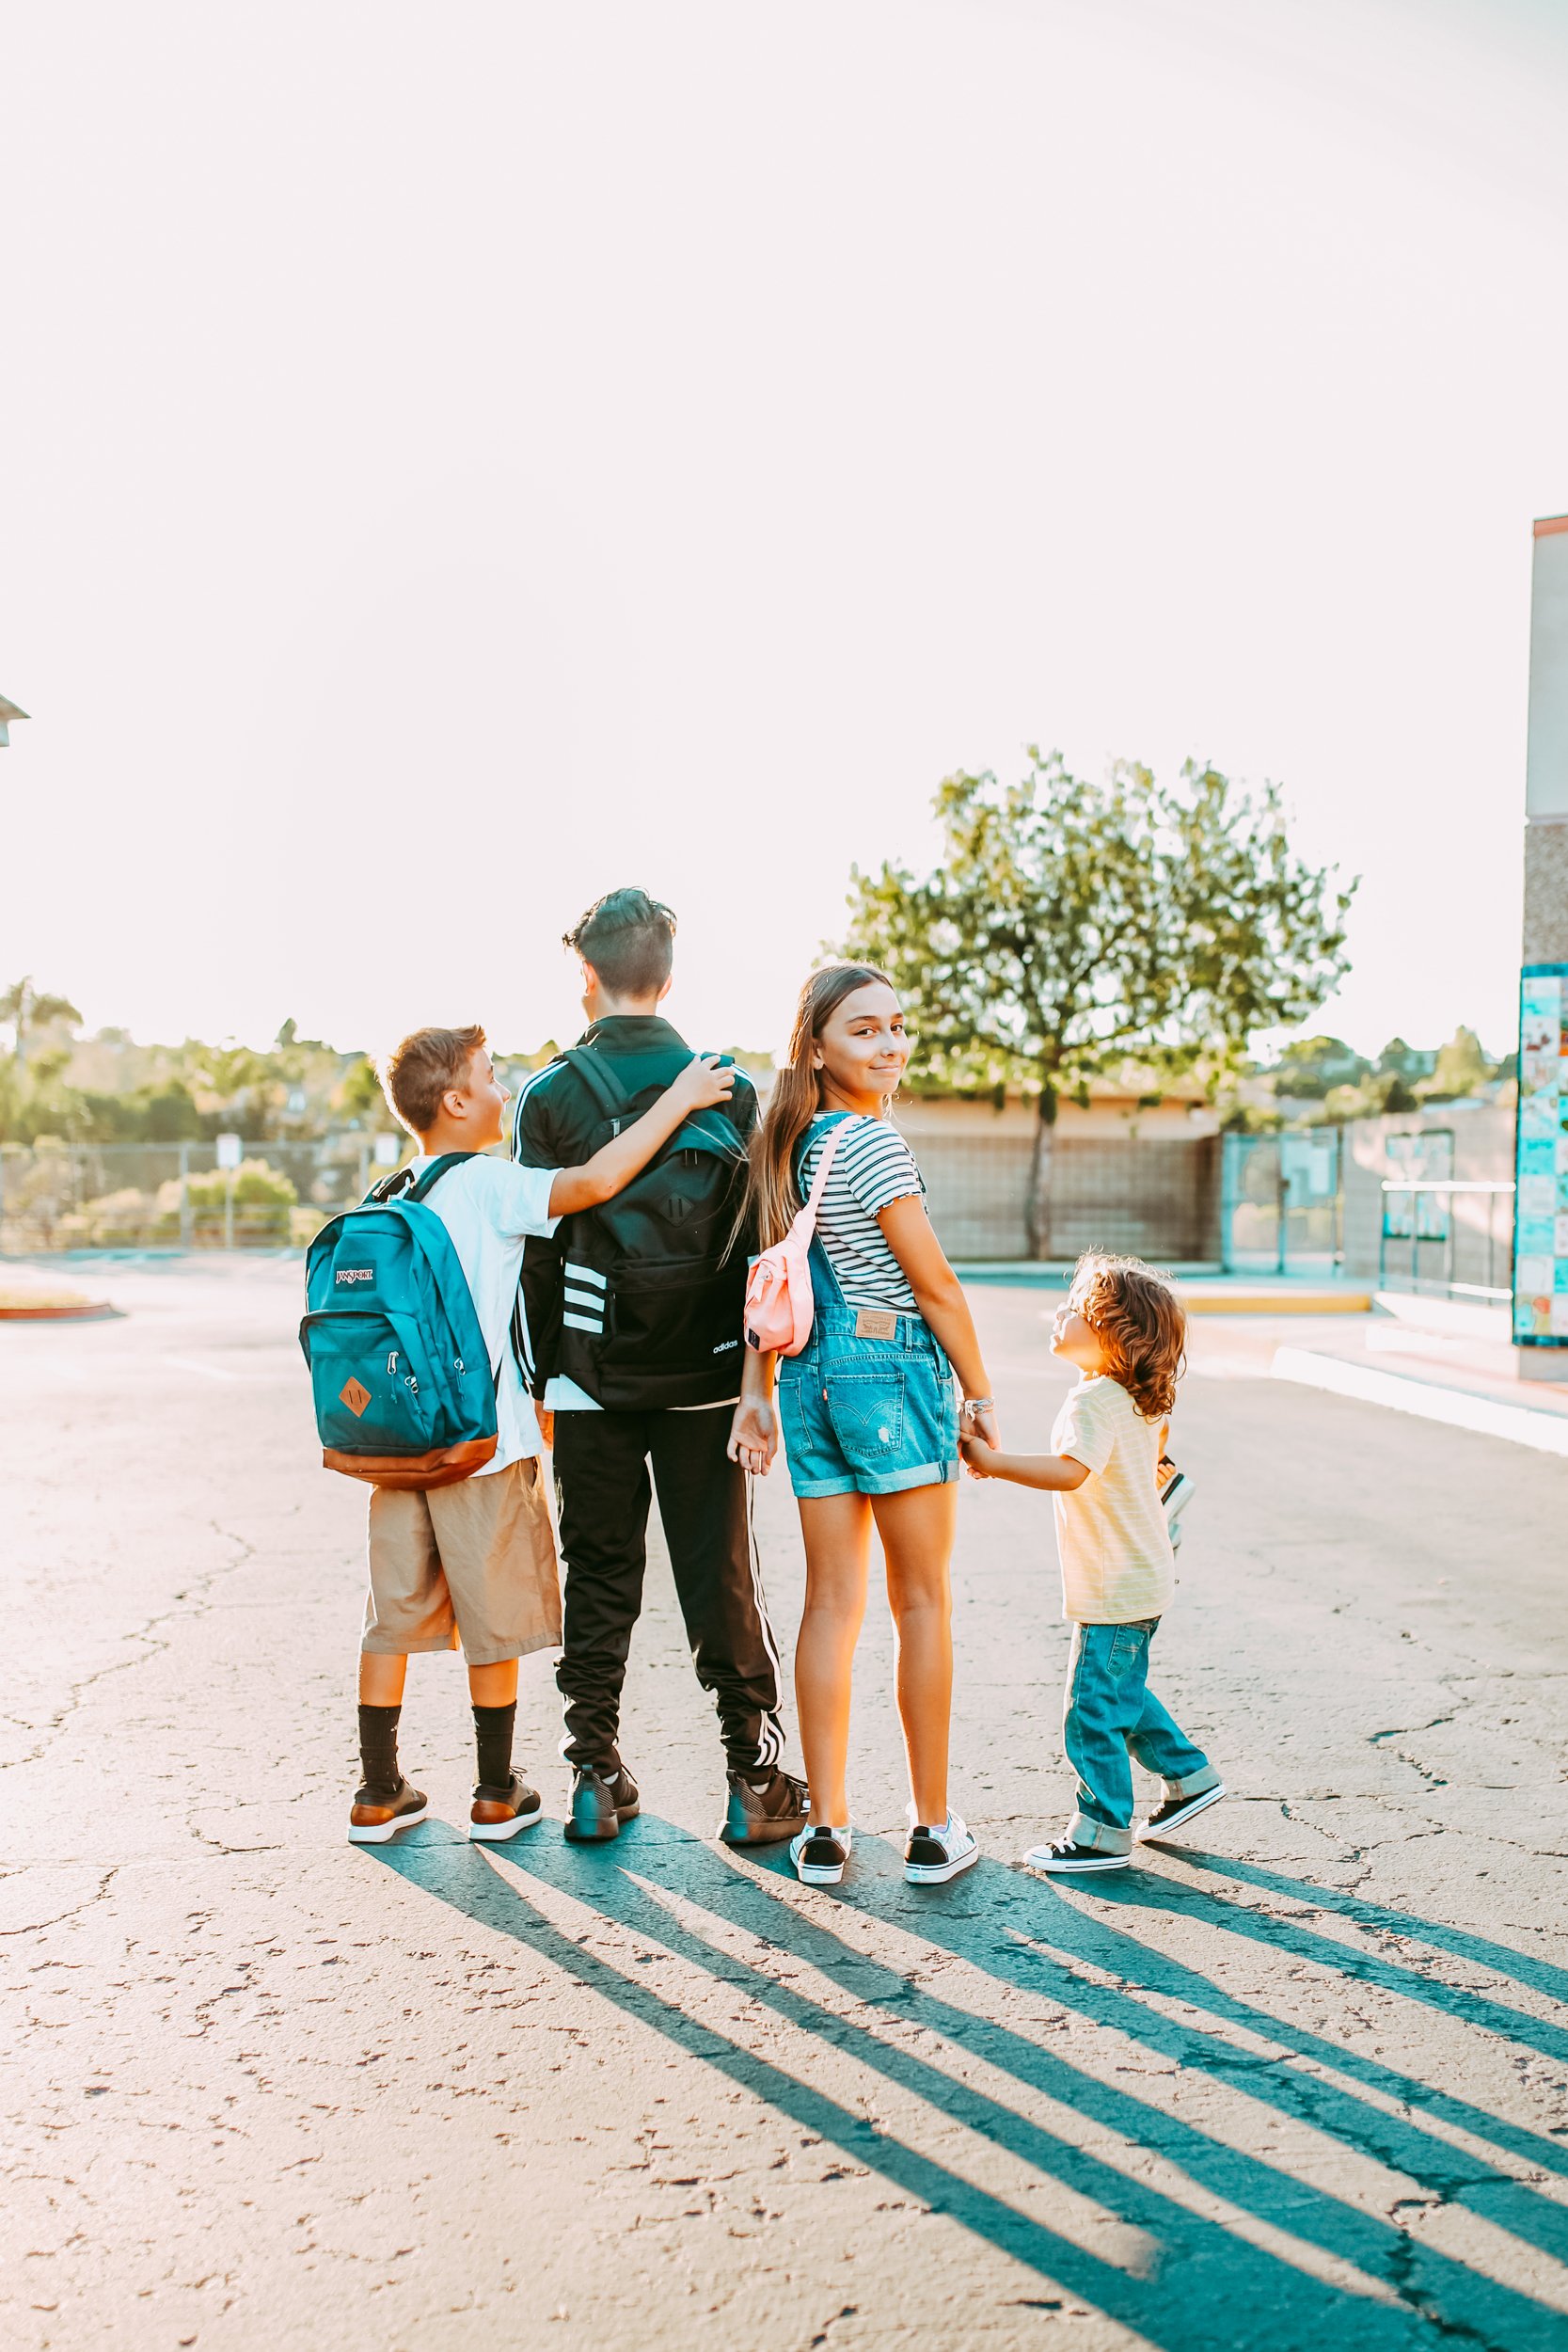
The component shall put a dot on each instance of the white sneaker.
(1067, 1860)
(820, 1854)
(933, 1856)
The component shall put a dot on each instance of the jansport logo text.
(355, 1274)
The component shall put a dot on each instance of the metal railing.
(1443, 1190)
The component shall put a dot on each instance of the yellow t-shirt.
(1111, 1532)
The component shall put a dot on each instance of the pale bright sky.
(460, 459)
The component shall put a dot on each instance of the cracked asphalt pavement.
(1303, 2082)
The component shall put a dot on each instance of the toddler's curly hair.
(1140, 1323)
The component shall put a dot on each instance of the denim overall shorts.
(864, 1413)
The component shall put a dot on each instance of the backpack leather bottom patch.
(445, 1467)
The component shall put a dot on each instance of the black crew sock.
(378, 1746)
(493, 1740)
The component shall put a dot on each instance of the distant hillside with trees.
(1322, 1081)
(108, 1088)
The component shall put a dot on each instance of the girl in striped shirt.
(870, 1421)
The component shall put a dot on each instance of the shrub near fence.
(56, 1196)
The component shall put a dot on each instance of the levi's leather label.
(876, 1322)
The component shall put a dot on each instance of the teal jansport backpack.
(404, 1391)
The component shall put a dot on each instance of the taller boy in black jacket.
(635, 1338)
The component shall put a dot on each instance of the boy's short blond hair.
(1140, 1323)
(417, 1073)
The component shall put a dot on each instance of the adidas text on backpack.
(404, 1390)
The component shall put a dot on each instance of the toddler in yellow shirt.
(1124, 1330)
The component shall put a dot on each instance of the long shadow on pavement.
(1347, 2231)
(1539, 1975)
(1220, 2272)
(1148, 1890)
(1002, 1935)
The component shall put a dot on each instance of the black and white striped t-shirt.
(872, 1166)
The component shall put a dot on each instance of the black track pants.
(602, 1489)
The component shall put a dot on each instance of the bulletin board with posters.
(1540, 1161)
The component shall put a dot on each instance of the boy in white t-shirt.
(475, 1563)
(1124, 1328)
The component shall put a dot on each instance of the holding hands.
(754, 1435)
(978, 1434)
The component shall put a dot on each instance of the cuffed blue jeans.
(1111, 1714)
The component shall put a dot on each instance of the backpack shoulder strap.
(434, 1174)
(609, 1093)
(829, 1134)
(403, 1184)
(824, 1168)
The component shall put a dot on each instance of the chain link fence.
(174, 1196)
(1252, 1204)
(1160, 1198)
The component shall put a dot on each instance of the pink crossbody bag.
(779, 1302)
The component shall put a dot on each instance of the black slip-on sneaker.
(936, 1853)
(378, 1814)
(1176, 1811)
(1065, 1860)
(500, 1813)
(819, 1855)
(763, 1809)
(600, 1802)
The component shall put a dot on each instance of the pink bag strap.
(807, 1218)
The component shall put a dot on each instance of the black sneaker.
(600, 1802)
(378, 1814)
(763, 1809)
(1064, 1859)
(499, 1813)
(819, 1855)
(1176, 1811)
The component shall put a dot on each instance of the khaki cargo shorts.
(473, 1565)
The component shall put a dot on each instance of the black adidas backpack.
(653, 1288)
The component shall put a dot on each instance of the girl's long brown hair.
(772, 1199)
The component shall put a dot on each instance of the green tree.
(1309, 1067)
(1071, 926)
(23, 1007)
(1462, 1067)
(1392, 1095)
(358, 1095)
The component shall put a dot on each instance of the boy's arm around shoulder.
(701, 1085)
